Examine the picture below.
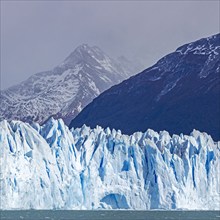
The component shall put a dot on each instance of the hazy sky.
(38, 35)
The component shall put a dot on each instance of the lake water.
(109, 215)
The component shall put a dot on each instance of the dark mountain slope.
(181, 92)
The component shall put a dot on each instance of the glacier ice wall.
(52, 167)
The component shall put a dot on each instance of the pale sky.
(38, 35)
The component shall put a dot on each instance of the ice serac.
(178, 94)
(65, 90)
(52, 167)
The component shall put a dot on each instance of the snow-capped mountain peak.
(92, 56)
(65, 90)
(79, 54)
(204, 46)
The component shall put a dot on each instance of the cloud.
(38, 35)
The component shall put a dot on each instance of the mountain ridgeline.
(181, 92)
(64, 91)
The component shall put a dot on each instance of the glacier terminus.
(52, 167)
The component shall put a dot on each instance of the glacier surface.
(52, 167)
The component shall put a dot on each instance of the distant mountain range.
(67, 89)
(181, 92)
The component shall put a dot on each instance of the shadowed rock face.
(65, 90)
(179, 93)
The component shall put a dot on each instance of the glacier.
(52, 167)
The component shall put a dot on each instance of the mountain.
(52, 167)
(181, 92)
(65, 90)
